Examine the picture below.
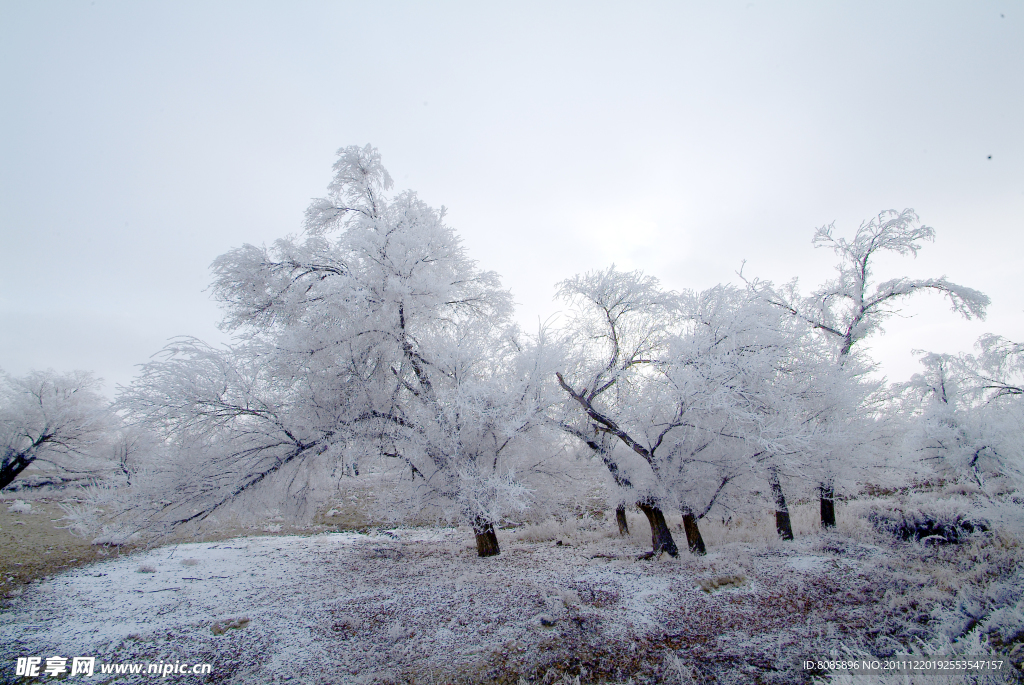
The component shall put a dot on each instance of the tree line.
(371, 341)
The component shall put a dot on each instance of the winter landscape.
(373, 358)
(383, 467)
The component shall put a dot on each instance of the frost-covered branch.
(851, 307)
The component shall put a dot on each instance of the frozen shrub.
(946, 521)
(996, 611)
(1007, 622)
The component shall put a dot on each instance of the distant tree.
(968, 416)
(135, 450)
(852, 306)
(995, 377)
(51, 418)
(371, 336)
(997, 371)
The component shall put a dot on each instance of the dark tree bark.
(783, 525)
(828, 506)
(12, 465)
(693, 536)
(661, 536)
(782, 522)
(620, 518)
(486, 539)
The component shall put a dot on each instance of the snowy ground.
(420, 606)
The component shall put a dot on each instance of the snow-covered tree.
(767, 393)
(51, 418)
(967, 414)
(996, 373)
(620, 327)
(372, 335)
(707, 389)
(852, 306)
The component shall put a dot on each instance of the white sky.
(141, 140)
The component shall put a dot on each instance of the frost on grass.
(416, 604)
(973, 645)
(566, 597)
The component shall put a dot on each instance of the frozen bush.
(945, 521)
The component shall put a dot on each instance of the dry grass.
(37, 544)
(722, 582)
(755, 529)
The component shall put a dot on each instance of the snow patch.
(808, 564)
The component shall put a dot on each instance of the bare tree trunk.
(782, 522)
(123, 452)
(620, 518)
(661, 536)
(693, 536)
(486, 539)
(828, 505)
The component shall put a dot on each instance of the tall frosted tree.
(621, 323)
(852, 306)
(371, 335)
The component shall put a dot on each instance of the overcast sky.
(141, 140)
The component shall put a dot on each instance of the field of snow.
(418, 606)
(563, 600)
